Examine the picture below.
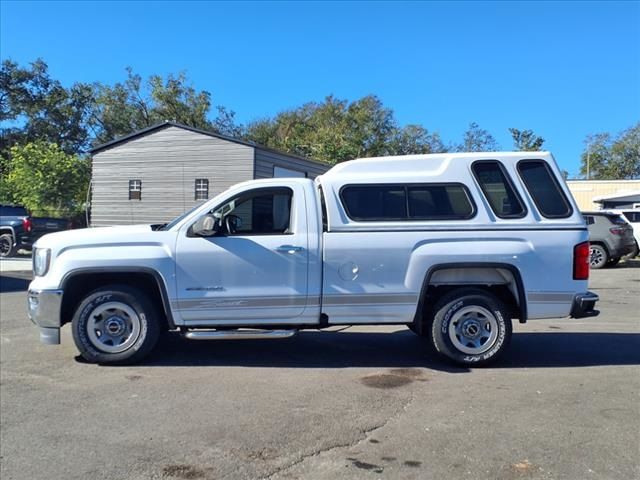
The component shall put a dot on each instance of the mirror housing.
(206, 226)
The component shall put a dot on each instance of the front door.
(255, 270)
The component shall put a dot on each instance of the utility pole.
(588, 162)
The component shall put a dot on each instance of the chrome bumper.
(44, 308)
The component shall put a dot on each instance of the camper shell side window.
(407, 202)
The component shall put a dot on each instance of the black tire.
(613, 262)
(7, 248)
(634, 253)
(484, 318)
(121, 305)
(414, 328)
(598, 256)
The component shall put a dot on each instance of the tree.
(477, 139)
(415, 139)
(526, 140)
(608, 158)
(134, 104)
(46, 180)
(35, 107)
(336, 130)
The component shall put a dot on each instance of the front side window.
(266, 211)
(135, 189)
(407, 202)
(544, 189)
(202, 189)
(498, 189)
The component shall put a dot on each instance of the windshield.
(178, 219)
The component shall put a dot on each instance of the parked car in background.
(632, 216)
(610, 236)
(19, 230)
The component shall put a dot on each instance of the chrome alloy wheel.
(113, 327)
(596, 257)
(473, 330)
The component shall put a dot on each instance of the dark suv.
(611, 238)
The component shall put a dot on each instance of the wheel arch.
(602, 244)
(10, 230)
(518, 300)
(79, 282)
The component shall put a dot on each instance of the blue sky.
(563, 69)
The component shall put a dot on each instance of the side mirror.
(206, 226)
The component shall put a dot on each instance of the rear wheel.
(613, 262)
(7, 248)
(115, 324)
(634, 252)
(471, 327)
(598, 256)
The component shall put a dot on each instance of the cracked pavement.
(564, 403)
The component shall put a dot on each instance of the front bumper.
(44, 308)
(584, 305)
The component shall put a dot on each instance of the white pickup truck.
(454, 246)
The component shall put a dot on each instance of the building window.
(135, 189)
(202, 189)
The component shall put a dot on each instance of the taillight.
(581, 255)
(617, 230)
(26, 224)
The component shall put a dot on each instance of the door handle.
(290, 249)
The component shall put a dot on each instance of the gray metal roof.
(158, 126)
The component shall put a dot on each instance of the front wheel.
(115, 324)
(471, 327)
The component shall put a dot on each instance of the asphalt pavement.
(563, 403)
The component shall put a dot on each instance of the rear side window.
(589, 219)
(617, 219)
(544, 189)
(498, 189)
(407, 202)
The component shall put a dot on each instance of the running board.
(237, 334)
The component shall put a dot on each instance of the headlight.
(41, 259)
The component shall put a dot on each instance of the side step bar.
(237, 334)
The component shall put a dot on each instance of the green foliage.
(46, 180)
(476, 139)
(337, 130)
(526, 140)
(35, 107)
(609, 158)
(134, 104)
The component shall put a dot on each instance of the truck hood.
(95, 236)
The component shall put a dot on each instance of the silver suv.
(610, 236)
